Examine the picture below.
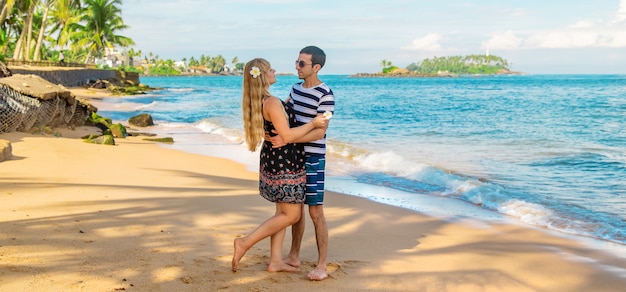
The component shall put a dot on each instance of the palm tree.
(183, 68)
(131, 56)
(10, 22)
(7, 6)
(193, 62)
(42, 29)
(384, 63)
(98, 28)
(23, 42)
(204, 60)
(217, 64)
(64, 13)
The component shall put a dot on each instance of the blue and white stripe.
(307, 104)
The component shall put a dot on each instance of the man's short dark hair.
(317, 55)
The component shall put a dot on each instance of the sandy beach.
(136, 216)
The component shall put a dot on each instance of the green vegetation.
(86, 31)
(96, 119)
(109, 130)
(472, 64)
(161, 140)
(102, 140)
(32, 30)
(388, 67)
(130, 89)
(97, 26)
(127, 68)
(162, 69)
(118, 131)
(455, 65)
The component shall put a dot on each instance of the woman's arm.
(275, 113)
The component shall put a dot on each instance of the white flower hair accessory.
(255, 72)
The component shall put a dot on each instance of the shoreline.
(84, 216)
(78, 216)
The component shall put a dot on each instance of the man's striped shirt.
(307, 103)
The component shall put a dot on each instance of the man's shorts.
(315, 180)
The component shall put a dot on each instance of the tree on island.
(470, 64)
(388, 67)
(217, 64)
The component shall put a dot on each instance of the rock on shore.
(29, 101)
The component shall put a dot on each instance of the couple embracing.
(292, 157)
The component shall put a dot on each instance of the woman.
(282, 174)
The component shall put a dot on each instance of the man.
(310, 98)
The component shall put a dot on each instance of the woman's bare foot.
(238, 254)
(318, 274)
(281, 267)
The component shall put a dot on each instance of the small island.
(449, 66)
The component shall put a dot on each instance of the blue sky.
(535, 36)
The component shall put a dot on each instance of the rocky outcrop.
(6, 151)
(127, 78)
(161, 140)
(141, 120)
(102, 139)
(118, 131)
(29, 101)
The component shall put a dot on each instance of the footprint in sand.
(332, 267)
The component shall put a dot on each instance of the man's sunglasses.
(301, 63)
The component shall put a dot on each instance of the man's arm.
(313, 135)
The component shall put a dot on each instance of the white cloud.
(620, 17)
(503, 41)
(582, 24)
(581, 34)
(601, 38)
(562, 39)
(617, 40)
(250, 28)
(518, 12)
(428, 43)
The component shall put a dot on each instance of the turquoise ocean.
(547, 151)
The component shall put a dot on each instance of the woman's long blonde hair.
(254, 90)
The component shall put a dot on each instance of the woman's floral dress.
(282, 174)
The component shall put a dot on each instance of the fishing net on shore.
(19, 112)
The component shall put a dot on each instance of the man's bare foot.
(318, 274)
(292, 261)
(281, 267)
(238, 254)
